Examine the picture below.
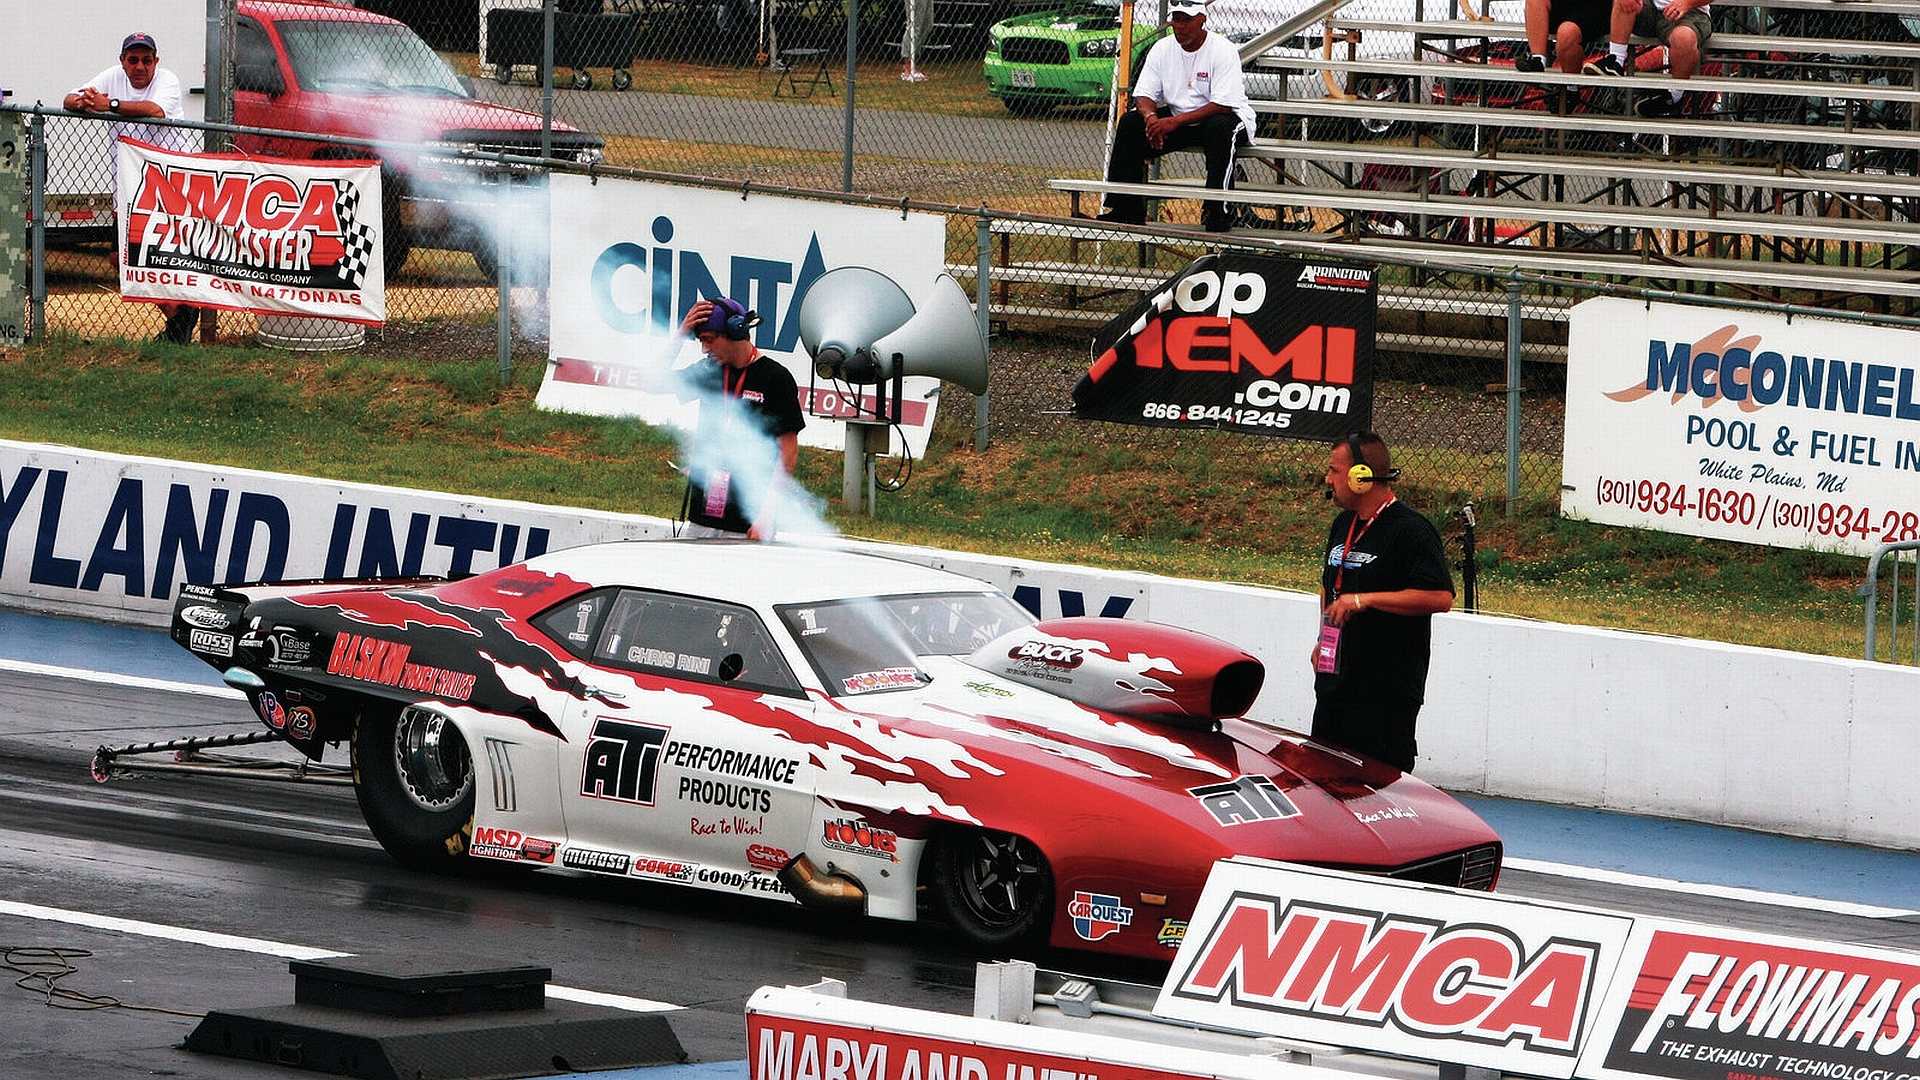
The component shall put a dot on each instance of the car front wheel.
(994, 888)
(413, 775)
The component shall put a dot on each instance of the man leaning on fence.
(138, 87)
(1191, 96)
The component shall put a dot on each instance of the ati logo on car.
(1046, 652)
(206, 617)
(646, 866)
(509, 845)
(600, 862)
(206, 641)
(767, 858)
(1334, 277)
(622, 761)
(861, 838)
(1244, 800)
(1097, 915)
(1373, 968)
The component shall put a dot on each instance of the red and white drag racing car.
(814, 726)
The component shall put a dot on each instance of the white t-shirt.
(1187, 80)
(163, 90)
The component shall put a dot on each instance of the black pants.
(1380, 729)
(1219, 136)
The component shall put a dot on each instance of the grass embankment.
(1191, 504)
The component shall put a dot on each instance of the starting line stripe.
(264, 947)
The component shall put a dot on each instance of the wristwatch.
(113, 104)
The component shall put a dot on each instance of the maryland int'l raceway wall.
(1806, 746)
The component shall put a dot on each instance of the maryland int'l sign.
(1256, 344)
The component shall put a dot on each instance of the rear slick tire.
(413, 776)
(995, 889)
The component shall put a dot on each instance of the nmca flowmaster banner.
(1249, 343)
(271, 236)
(1421, 971)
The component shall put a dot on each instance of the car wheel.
(993, 888)
(413, 775)
(1379, 88)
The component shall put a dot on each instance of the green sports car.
(1061, 57)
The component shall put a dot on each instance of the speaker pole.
(853, 470)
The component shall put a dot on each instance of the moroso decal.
(1097, 915)
(1374, 969)
(602, 862)
(376, 660)
(622, 761)
(1706, 1006)
(1244, 800)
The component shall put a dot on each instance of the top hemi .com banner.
(1534, 988)
(272, 236)
(1249, 343)
(1742, 426)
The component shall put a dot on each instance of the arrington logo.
(1335, 277)
(1097, 915)
(249, 225)
(1373, 969)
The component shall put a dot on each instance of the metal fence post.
(503, 279)
(1513, 390)
(982, 287)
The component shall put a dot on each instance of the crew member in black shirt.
(748, 439)
(1384, 576)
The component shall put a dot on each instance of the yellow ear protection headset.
(1360, 475)
(729, 317)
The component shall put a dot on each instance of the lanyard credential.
(1346, 550)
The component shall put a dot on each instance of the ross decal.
(272, 711)
(600, 862)
(647, 866)
(206, 641)
(622, 761)
(1244, 800)
(1098, 915)
(376, 660)
(1172, 932)
(856, 836)
(206, 617)
(767, 858)
(893, 678)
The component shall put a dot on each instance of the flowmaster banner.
(629, 260)
(1742, 426)
(1427, 972)
(271, 236)
(1250, 343)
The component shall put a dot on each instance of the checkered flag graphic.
(356, 238)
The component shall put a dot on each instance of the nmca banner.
(273, 236)
(1258, 344)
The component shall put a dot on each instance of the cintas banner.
(275, 237)
(1250, 343)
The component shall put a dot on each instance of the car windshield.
(343, 57)
(875, 643)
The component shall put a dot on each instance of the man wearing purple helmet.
(748, 439)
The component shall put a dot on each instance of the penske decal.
(1471, 981)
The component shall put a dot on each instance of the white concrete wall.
(1776, 741)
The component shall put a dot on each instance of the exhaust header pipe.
(817, 888)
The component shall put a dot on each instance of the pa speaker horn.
(854, 320)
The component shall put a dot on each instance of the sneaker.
(1529, 63)
(181, 324)
(1655, 105)
(1606, 65)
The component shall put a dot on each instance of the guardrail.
(1871, 590)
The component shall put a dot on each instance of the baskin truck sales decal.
(1702, 1003)
(1431, 973)
(1743, 425)
(630, 259)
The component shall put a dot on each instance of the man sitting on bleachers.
(1572, 25)
(1683, 26)
(1191, 96)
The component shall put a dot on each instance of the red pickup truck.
(314, 67)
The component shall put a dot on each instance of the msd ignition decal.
(1710, 1005)
(1435, 974)
(1256, 344)
(1747, 426)
(272, 238)
(508, 845)
(1097, 915)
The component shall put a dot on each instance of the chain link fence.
(916, 104)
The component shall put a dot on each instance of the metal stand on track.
(190, 756)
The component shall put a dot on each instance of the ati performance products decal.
(273, 237)
(376, 660)
(1245, 800)
(622, 761)
(1370, 970)
(1256, 344)
(1097, 915)
(1721, 1008)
